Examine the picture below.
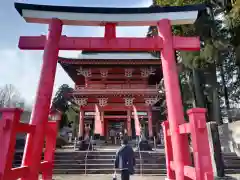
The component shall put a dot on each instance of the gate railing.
(202, 169)
(10, 126)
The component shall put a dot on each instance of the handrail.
(86, 156)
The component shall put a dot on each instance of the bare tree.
(10, 97)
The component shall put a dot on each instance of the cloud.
(22, 69)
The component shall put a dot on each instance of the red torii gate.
(177, 149)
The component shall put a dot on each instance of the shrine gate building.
(115, 81)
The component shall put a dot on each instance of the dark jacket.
(125, 159)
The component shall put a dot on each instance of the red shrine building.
(115, 81)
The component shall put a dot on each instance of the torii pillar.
(81, 123)
(173, 98)
(35, 142)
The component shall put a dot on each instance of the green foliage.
(63, 101)
(214, 39)
(62, 98)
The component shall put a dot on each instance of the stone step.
(110, 171)
(102, 157)
(105, 166)
(100, 161)
(106, 171)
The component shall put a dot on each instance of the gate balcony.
(116, 89)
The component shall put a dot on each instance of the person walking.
(125, 160)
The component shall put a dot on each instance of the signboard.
(89, 113)
(140, 113)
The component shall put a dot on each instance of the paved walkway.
(104, 177)
(109, 177)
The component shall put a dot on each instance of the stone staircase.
(102, 162)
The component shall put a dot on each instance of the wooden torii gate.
(177, 154)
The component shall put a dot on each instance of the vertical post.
(201, 149)
(102, 123)
(129, 128)
(51, 135)
(110, 31)
(81, 123)
(150, 124)
(168, 150)
(173, 98)
(34, 142)
(8, 129)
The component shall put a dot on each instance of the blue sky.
(22, 68)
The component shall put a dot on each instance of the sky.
(22, 68)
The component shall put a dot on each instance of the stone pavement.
(104, 177)
(109, 177)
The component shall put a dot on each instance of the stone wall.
(230, 137)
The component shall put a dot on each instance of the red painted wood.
(115, 100)
(150, 123)
(93, 44)
(193, 43)
(25, 128)
(98, 129)
(190, 172)
(129, 128)
(51, 137)
(137, 123)
(110, 31)
(168, 150)
(34, 143)
(173, 98)
(109, 61)
(19, 172)
(184, 128)
(81, 123)
(200, 144)
(113, 108)
(103, 44)
(8, 130)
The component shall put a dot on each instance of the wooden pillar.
(9, 122)
(51, 139)
(81, 123)
(110, 31)
(35, 142)
(129, 128)
(173, 99)
(150, 123)
(102, 123)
